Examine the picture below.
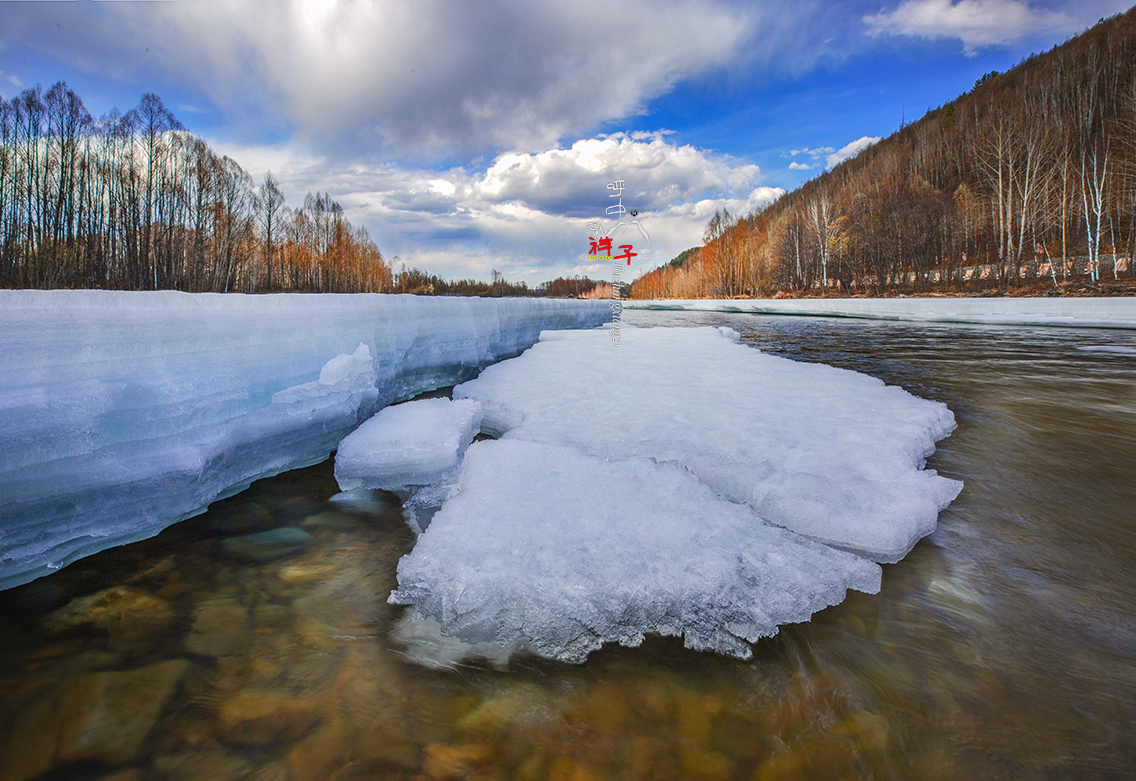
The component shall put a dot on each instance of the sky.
(476, 135)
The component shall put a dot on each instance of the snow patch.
(544, 545)
(829, 453)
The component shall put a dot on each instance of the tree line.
(136, 202)
(1031, 174)
(423, 283)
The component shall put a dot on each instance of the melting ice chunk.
(831, 454)
(343, 366)
(407, 445)
(562, 551)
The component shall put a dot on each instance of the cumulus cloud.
(850, 149)
(424, 77)
(526, 214)
(977, 23)
(795, 166)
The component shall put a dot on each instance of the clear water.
(1003, 646)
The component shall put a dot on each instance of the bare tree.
(270, 209)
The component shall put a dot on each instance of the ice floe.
(413, 450)
(683, 484)
(829, 453)
(407, 446)
(566, 551)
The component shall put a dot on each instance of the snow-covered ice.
(407, 446)
(564, 551)
(1090, 312)
(1116, 349)
(684, 484)
(829, 453)
(413, 450)
(121, 413)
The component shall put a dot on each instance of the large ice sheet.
(831, 454)
(544, 545)
(121, 413)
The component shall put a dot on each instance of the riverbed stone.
(106, 716)
(449, 762)
(522, 704)
(567, 769)
(870, 730)
(201, 766)
(156, 570)
(220, 627)
(783, 765)
(325, 750)
(271, 616)
(30, 748)
(304, 573)
(133, 618)
(387, 741)
(133, 774)
(273, 771)
(267, 545)
(258, 717)
(328, 519)
(699, 763)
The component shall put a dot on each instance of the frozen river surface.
(255, 641)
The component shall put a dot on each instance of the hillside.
(1030, 176)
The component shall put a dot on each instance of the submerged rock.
(268, 545)
(245, 518)
(108, 608)
(261, 717)
(328, 519)
(133, 617)
(105, 717)
(200, 766)
(220, 627)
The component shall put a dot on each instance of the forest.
(1029, 178)
(135, 202)
(423, 283)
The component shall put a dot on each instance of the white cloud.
(849, 150)
(526, 214)
(815, 154)
(795, 166)
(405, 77)
(977, 23)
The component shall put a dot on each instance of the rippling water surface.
(254, 641)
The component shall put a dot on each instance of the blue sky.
(469, 136)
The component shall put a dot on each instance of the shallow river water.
(255, 642)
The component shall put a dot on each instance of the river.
(254, 641)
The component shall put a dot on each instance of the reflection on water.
(254, 642)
